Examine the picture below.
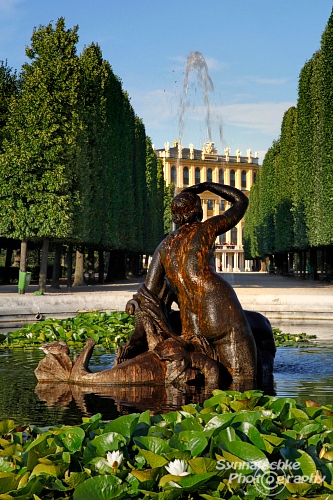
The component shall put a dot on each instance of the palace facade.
(188, 166)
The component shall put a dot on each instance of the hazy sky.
(254, 50)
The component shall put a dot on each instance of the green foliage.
(92, 156)
(36, 168)
(237, 445)
(304, 140)
(107, 329)
(285, 171)
(139, 201)
(287, 339)
(251, 223)
(155, 194)
(169, 192)
(326, 95)
(76, 164)
(8, 90)
(299, 178)
(314, 192)
(259, 232)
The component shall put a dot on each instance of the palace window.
(210, 204)
(185, 176)
(173, 175)
(243, 179)
(209, 175)
(221, 176)
(232, 178)
(222, 238)
(197, 175)
(254, 177)
(222, 205)
(233, 236)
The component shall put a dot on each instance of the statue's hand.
(197, 188)
(130, 307)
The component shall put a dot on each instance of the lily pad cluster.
(237, 445)
(107, 329)
(288, 339)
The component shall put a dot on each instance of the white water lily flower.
(114, 459)
(177, 468)
(29, 335)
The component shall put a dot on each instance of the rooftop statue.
(210, 339)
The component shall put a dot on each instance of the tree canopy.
(76, 165)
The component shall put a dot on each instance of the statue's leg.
(208, 367)
(238, 353)
(264, 338)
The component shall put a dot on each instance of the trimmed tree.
(37, 171)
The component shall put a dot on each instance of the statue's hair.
(186, 207)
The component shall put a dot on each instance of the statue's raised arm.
(222, 223)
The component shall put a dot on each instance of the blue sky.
(254, 50)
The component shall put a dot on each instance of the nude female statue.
(209, 307)
(210, 335)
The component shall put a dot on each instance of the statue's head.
(186, 207)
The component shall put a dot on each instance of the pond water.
(300, 372)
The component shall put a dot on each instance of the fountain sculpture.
(209, 341)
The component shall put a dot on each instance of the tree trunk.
(9, 254)
(329, 259)
(101, 267)
(313, 263)
(117, 266)
(23, 254)
(91, 266)
(133, 264)
(6, 271)
(43, 265)
(56, 266)
(69, 266)
(79, 268)
(23, 260)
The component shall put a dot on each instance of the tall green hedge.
(76, 165)
(284, 183)
(37, 173)
(293, 203)
(326, 233)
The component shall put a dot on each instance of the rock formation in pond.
(210, 340)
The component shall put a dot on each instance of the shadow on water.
(300, 372)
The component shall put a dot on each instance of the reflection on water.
(302, 373)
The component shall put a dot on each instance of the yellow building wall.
(232, 259)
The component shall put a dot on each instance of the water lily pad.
(72, 438)
(153, 459)
(194, 441)
(108, 441)
(100, 488)
(6, 426)
(8, 482)
(192, 483)
(303, 464)
(124, 425)
(154, 444)
(250, 454)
